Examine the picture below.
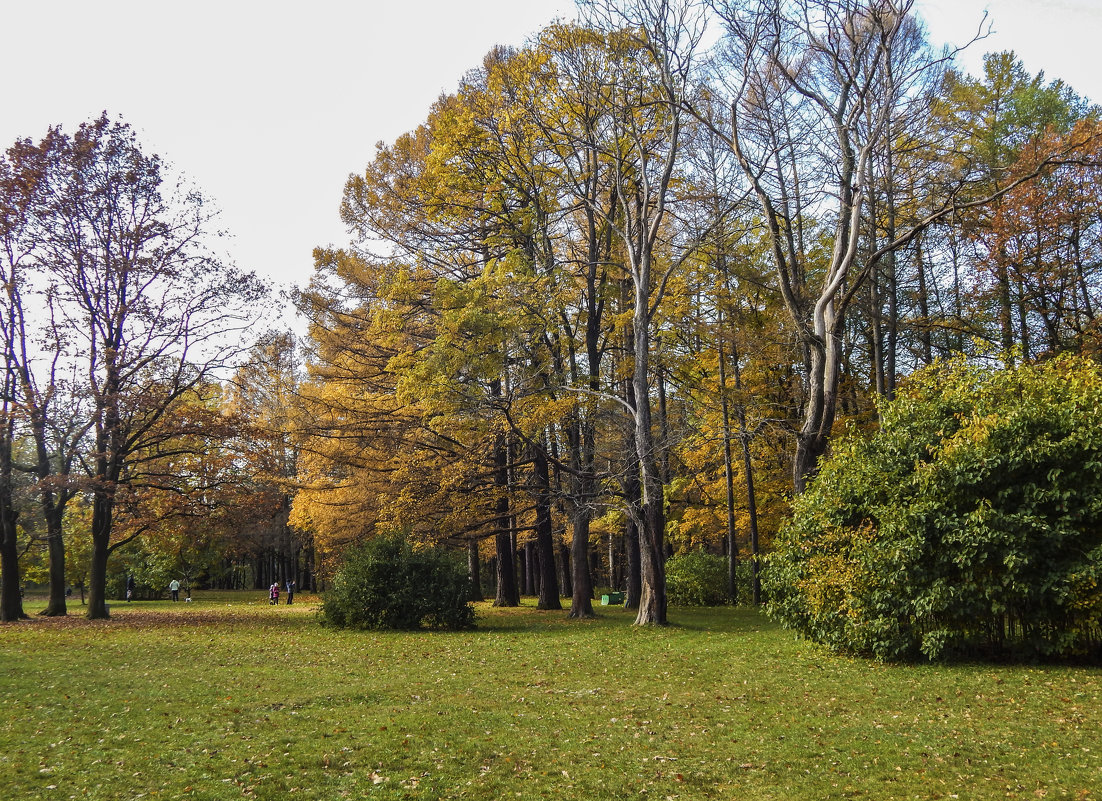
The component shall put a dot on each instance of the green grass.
(230, 698)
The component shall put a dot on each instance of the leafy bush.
(696, 578)
(386, 584)
(969, 525)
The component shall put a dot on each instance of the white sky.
(268, 107)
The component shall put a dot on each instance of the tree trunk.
(751, 494)
(564, 561)
(507, 592)
(474, 570)
(923, 305)
(634, 588)
(11, 586)
(651, 518)
(728, 474)
(11, 598)
(55, 546)
(102, 507)
(581, 600)
(545, 546)
(819, 410)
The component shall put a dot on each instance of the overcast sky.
(268, 107)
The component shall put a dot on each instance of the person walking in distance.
(290, 591)
(174, 588)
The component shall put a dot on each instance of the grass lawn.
(229, 698)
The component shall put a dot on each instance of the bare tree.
(649, 93)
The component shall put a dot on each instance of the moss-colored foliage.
(696, 578)
(387, 584)
(970, 525)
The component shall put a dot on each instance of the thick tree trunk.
(11, 585)
(581, 599)
(11, 591)
(652, 600)
(102, 507)
(819, 411)
(507, 594)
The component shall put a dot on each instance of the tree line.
(612, 299)
(633, 286)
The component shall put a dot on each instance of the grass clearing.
(228, 697)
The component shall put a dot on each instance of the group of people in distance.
(273, 592)
(174, 588)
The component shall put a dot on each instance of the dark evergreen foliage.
(385, 583)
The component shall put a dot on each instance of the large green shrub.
(696, 578)
(969, 525)
(386, 584)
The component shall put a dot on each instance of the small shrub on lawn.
(696, 578)
(387, 584)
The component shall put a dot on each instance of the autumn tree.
(148, 309)
(653, 74)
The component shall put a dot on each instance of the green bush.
(696, 578)
(969, 525)
(386, 584)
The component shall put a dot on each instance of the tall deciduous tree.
(149, 309)
(649, 93)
